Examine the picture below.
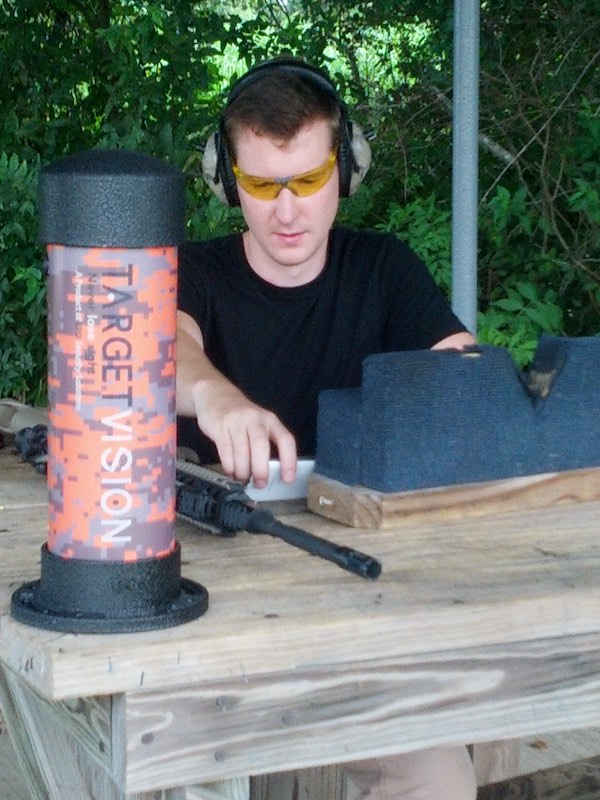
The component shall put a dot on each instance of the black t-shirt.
(282, 346)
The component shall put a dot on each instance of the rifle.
(212, 501)
(220, 505)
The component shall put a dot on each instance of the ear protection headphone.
(354, 151)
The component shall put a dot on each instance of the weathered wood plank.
(575, 781)
(20, 485)
(501, 760)
(65, 750)
(360, 507)
(11, 774)
(264, 724)
(45, 750)
(513, 577)
(234, 789)
(316, 783)
(31, 774)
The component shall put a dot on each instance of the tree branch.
(485, 141)
(539, 131)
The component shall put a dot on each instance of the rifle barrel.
(262, 521)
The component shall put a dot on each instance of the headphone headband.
(291, 66)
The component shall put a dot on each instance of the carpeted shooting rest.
(434, 419)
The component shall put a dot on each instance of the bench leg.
(232, 789)
(316, 783)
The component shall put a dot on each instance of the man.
(241, 367)
(269, 318)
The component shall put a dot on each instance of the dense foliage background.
(153, 75)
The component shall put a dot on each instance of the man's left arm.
(456, 341)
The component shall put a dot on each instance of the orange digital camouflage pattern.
(111, 387)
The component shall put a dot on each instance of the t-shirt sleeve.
(192, 297)
(191, 287)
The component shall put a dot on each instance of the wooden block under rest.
(360, 507)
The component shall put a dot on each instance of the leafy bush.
(425, 225)
(22, 285)
(517, 320)
(520, 291)
(517, 310)
(153, 76)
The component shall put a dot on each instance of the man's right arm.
(241, 430)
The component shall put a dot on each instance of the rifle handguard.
(220, 505)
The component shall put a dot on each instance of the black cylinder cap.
(111, 198)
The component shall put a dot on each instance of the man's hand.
(242, 431)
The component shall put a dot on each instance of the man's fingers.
(286, 448)
(244, 447)
(260, 448)
(250, 450)
(244, 434)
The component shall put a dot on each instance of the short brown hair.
(278, 101)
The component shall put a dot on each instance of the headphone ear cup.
(210, 171)
(361, 157)
(217, 172)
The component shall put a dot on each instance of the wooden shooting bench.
(479, 629)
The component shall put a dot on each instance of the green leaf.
(509, 304)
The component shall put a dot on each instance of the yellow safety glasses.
(301, 185)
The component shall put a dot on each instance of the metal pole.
(465, 161)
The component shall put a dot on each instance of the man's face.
(286, 240)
